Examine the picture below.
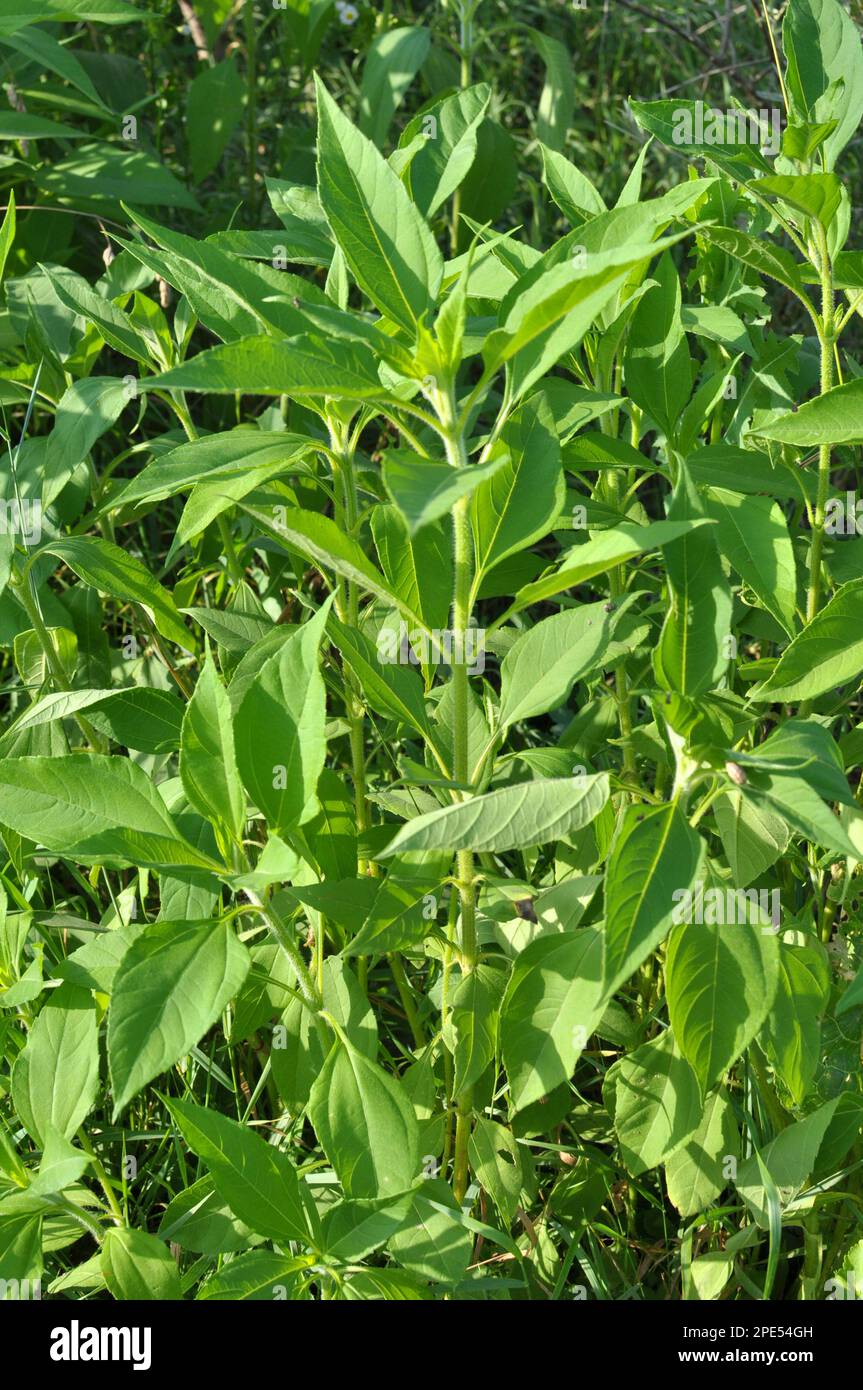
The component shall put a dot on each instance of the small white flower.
(348, 14)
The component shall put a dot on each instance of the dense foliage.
(431, 634)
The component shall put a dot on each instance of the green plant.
(431, 656)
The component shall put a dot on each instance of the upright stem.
(827, 340)
(251, 108)
(463, 577)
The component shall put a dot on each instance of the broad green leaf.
(836, 417)
(445, 160)
(789, 1159)
(302, 367)
(433, 1243)
(752, 533)
(56, 1077)
(529, 813)
(7, 232)
(392, 62)
(113, 324)
(730, 137)
(753, 837)
(138, 1267)
(94, 809)
(171, 986)
(720, 982)
(279, 730)
(657, 1103)
(471, 1027)
(208, 766)
(394, 691)
(256, 1180)
(557, 99)
(365, 1123)
(214, 456)
(518, 505)
(826, 654)
(424, 490)
(542, 665)
(815, 195)
(824, 68)
(655, 854)
(496, 1161)
(213, 109)
(385, 241)
(604, 552)
(555, 998)
(100, 170)
(793, 1027)
(572, 190)
(256, 1275)
(113, 571)
(697, 1173)
(657, 365)
(692, 655)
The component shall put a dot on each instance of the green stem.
(826, 338)
(461, 612)
(282, 933)
(251, 109)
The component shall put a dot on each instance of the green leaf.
(256, 1180)
(394, 691)
(303, 367)
(56, 1077)
(213, 109)
(826, 654)
(496, 1160)
(450, 148)
(392, 62)
(691, 655)
(696, 1173)
(434, 1242)
(471, 1027)
(7, 233)
(366, 1124)
(94, 809)
(572, 190)
(100, 171)
(555, 998)
(815, 195)
(788, 1159)
(753, 837)
(655, 854)
(752, 534)
(424, 490)
(208, 766)
(257, 1275)
(657, 1103)
(138, 1267)
(836, 417)
(113, 571)
(171, 986)
(557, 99)
(720, 982)
(388, 246)
(517, 505)
(794, 1027)
(529, 813)
(658, 369)
(604, 552)
(824, 68)
(227, 455)
(543, 664)
(279, 729)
